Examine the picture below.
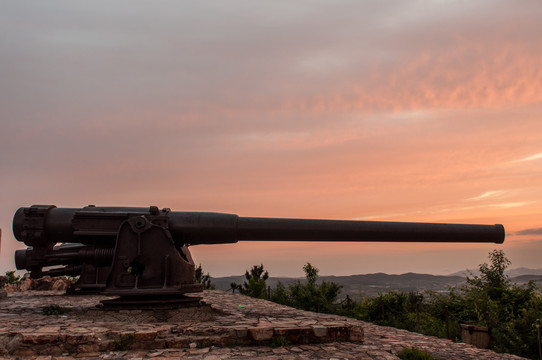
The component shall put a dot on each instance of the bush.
(54, 310)
(414, 354)
(12, 278)
(256, 285)
(308, 295)
(204, 279)
(278, 341)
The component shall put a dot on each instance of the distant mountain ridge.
(373, 284)
(511, 273)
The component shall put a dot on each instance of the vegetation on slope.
(489, 299)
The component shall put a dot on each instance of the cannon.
(142, 253)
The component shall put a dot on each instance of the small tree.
(280, 294)
(483, 295)
(492, 275)
(204, 279)
(255, 286)
(312, 296)
(311, 274)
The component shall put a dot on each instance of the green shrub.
(255, 286)
(278, 341)
(308, 295)
(12, 278)
(414, 354)
(204, 279)
(54, 310)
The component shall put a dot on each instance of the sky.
(397, 110)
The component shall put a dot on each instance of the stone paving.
(230, 326)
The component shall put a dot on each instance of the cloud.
(488, 194)
(532, 157)
(536, 231)
(328, 58)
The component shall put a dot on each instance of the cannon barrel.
(270, 229)
(51, 225)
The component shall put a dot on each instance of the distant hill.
(511, 273)
(523, 271)
(522, 279)
(372, 284)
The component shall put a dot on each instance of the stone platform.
(230, 326)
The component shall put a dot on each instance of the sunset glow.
(401, 111)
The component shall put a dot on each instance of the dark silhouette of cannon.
(142, 253)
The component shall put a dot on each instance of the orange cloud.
(499, 76)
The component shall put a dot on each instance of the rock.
(11, 288)
(44, 283)
(25, 284)
(50, 350)
(88, 348)
(40, 338)
(59, 284)
(199, 351)
(319, 331)
(146, 335)
(91, 355)
(241, 333)
(3, 281)
(355, 333)
(78, 338)
(260, 334)
(13, 344)
(24, 352)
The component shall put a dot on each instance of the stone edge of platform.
(45, 341)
